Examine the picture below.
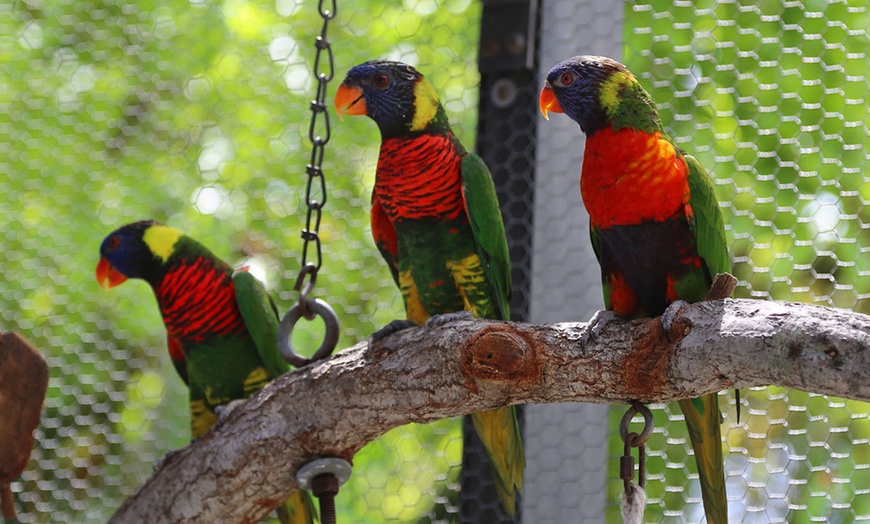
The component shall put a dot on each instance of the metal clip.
(634, 440)
(307, 269)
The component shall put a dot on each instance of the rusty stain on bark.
(646, 367)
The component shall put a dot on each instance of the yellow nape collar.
(611, 90)
(425, 105)
(161, 240)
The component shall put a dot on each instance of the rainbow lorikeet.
(436, 221)
(655, 223)
(222, 326)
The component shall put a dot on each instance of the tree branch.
(239, 471)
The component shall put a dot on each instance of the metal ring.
(323, 466)
(635, 409)
(318, 308)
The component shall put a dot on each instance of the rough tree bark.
(240, 470)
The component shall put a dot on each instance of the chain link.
(315, 198)
(319, 133)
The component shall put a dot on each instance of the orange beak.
(548, 101)
(349, 101)
(107, 275)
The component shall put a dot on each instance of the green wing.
(498, 429)
(702, 414)
(261, 319)
(605, 283)
(484, 215)
(707, 225)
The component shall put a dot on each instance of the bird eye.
(114, 242)
(381, 80)
(566, 79)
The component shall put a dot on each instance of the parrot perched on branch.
(222, 326)
(436, 220)
(655, 223)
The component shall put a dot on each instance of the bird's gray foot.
(670, 315)
(594, 327)
(446, 318)
(223, 411)
(393, 327)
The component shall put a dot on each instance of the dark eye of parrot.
(114, 242)
(381, 80)
(566, 79)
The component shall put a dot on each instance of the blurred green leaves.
(194, 113)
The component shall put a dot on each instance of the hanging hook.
(307, 269)
(634, 440)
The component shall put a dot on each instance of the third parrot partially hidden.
(436, 220)
(221, 325)
(655, 223)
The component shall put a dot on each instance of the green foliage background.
(195, 113)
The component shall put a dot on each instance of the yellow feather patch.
(161, 240)
(425, 105)
(215, 400)
(201, 418)
(255, 381)
(610, 89)
(469, 277)
(414, 309)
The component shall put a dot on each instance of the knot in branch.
(500, 354)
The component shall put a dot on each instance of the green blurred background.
(195, 113)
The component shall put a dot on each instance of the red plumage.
(198, 301)
(420, 177)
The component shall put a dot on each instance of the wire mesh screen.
(772, 98)
(196, 114)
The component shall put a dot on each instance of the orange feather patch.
(631, 176)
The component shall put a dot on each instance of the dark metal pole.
(506, 141)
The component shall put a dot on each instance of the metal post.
(566, 444)
(506, 142)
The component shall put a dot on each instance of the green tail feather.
(297, 509)
(500, 433)
(703, 421)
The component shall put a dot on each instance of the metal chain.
(319, 133)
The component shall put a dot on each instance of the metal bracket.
(508, 33)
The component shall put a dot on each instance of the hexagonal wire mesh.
(773, 99)
(108, 123)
